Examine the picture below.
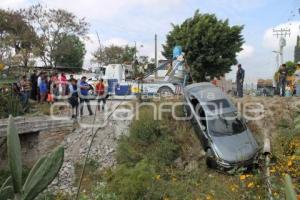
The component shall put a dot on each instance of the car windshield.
(218, 104)
(226, 124)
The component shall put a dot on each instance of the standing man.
(25, 90)
(84, 92)
(63, 83)
(240, 75)
(100, 91)
(39, 81)
(71, 77)
(43, 89)
(73, 100)
(297, 80)
(34, 87)
(282, 79)
(55, 85)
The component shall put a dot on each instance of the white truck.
(118, 81)
(115, 78)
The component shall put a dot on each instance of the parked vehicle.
(224, 135)
(117, 83)
(265, 87)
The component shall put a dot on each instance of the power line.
(283, 32)
(94, 133)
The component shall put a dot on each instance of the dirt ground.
(275, 110)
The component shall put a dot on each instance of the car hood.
(235, 148)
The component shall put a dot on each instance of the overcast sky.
(125, 21)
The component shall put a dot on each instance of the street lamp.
(278, 53)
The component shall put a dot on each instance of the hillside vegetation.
(164, 160)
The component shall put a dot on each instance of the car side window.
(199, 111)
(202, 116)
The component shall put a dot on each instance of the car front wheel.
(165, 91)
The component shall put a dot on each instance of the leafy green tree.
(291, 67)
(17, 38)
(114, 55)
(70, 52)
(129, 54)
(52, 25)
(210, 44)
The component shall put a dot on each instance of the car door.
(199, 127)
(202, 124)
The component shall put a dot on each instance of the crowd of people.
(45, 88)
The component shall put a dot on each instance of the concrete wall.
(36, 141)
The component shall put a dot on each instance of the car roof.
(206, 92)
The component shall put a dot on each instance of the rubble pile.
(76, 147)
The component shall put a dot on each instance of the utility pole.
(282, 34)
(101, 70)
(156, 60)
(99, 42)
(100, 48)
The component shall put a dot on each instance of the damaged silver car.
(227, 141)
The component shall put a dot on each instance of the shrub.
(163, 152)
(127, 153)
(10, 105)
(145, 130)
(132, 182)
(148, 139)
(100, 192)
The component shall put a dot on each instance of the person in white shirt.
(39, 81)
(297, 79)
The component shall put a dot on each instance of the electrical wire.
(91, 143)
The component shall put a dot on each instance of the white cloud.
(247, 52)
(116, 41)
(237, 5)
(104, 9)
(12, 4)
(233, 8)
(271, 42)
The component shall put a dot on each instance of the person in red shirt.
(214, 81)
(63, 83)
(100, 91)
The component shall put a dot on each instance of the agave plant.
(290, 193)
(6, 191)
(40, 176)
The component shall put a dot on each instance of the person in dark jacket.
(34, 86)
(84, 95)
(282, 79)
(240, 75)
(73, 100)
